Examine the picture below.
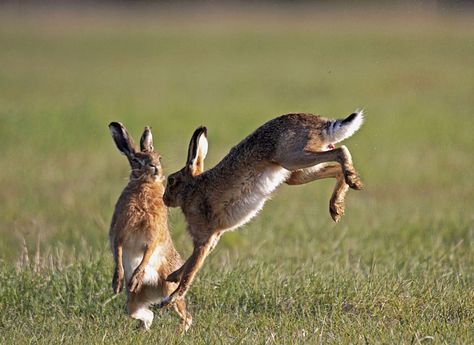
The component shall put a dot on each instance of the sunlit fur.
(139, 238)
(290, 149)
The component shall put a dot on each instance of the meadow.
(397, 269)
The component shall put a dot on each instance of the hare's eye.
(171, 181)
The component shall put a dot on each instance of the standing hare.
(139, 238)
(293, 149)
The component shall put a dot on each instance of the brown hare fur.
(143, 251)
(293, 149)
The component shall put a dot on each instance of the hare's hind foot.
(337, 203)
(336, 209)
(145, 317)
(350, 174)
(353, 180)
(141, 313)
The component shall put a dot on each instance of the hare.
(139, 238)
(293, 149)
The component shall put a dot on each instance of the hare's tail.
(338, 130)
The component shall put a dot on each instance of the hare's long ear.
(197, 151)
(146, 141)
(122, 139)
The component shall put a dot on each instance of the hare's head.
(144, 163)
(178, 181)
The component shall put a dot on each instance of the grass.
(397, 269)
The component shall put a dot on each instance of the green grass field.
(398, 268)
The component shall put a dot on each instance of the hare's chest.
(253, 196)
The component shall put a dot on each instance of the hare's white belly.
(250, 203)
(132, 256)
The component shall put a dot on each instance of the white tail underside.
(339, 130)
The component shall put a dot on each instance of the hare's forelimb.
(336, 203)
(175, 276)
(117, 281)
(190, 268)
(136, 282)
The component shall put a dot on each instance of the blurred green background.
(66, 73)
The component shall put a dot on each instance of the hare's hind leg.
(295, 160)
(137, 308)
(336, 203)
(316, 172)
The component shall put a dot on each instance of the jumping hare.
(139, 238)
(293, 149)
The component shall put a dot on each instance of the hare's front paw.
(117, 282)
(136, 282)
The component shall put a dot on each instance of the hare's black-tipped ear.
(146, 141)
(122, 139)
(197, 151)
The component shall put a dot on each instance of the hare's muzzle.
(153, 170)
